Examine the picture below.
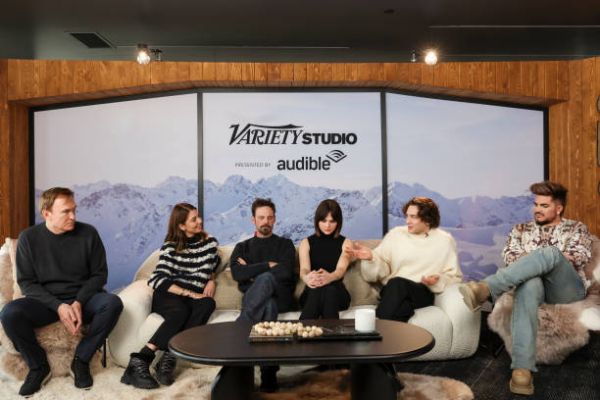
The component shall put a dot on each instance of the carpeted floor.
(577, 378)
(195, 383)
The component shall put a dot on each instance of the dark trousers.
(401, 297)
(325, 301)
(180, 313)
(259, 302)
(20, 317)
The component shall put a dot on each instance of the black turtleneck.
(325, 251)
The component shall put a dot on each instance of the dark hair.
(428, 210)
(325, 208)
(262, 203)
(554, 189)
(179, 215)
(49, 197)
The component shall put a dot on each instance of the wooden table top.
(227, 344)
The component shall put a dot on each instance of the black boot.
(36, 378)
(137, 372)
(80, 371)
(165, 368)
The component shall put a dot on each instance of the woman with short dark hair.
(183, 293)
(323, 264)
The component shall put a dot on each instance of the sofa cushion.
(227, 294)
(224, 316)
(225, 254)
(147, 267)
(362, 292)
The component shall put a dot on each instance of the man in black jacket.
(61, 270)
(263, 266)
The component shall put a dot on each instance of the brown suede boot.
(475, 294)
(521, 381)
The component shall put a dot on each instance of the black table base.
(233, 383)
(374, 381)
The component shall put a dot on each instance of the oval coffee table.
(372, 372)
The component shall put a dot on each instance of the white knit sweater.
(411, 256)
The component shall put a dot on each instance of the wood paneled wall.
(569, 88)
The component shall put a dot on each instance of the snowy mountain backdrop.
(132, 220)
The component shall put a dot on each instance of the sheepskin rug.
(195, 383)
(560, 331)
(58, 343)
(335, 385)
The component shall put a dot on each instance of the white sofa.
(454, 327)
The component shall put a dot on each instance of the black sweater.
(257, 252)
(56, 269)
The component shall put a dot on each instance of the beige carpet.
(194, 383)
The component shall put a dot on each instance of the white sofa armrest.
(466, 324)
(137, 305)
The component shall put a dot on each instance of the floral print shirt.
(569, 236)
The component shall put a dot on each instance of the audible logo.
(308, 163)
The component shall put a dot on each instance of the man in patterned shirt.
(545, 259)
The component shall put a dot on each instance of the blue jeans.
(259, 303)
(542, 276)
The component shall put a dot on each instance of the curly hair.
(428, 210)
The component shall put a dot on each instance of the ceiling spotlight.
(431, 57)
(413, 56)
(144, 54)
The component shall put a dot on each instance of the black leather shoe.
(35, 379)
(80, 371)
(137, 373)
(165, 369)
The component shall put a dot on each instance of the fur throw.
(335, 385)
(59, 345)
(560, 330)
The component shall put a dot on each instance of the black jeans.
(20, 317)
(325, 301)
(180, 313)
(400, 298)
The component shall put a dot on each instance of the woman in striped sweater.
(183, 293)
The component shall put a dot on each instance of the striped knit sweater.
(189, 269)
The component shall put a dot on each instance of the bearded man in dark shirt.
(263, 266)
(61, 270)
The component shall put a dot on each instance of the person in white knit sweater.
(412, 262)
